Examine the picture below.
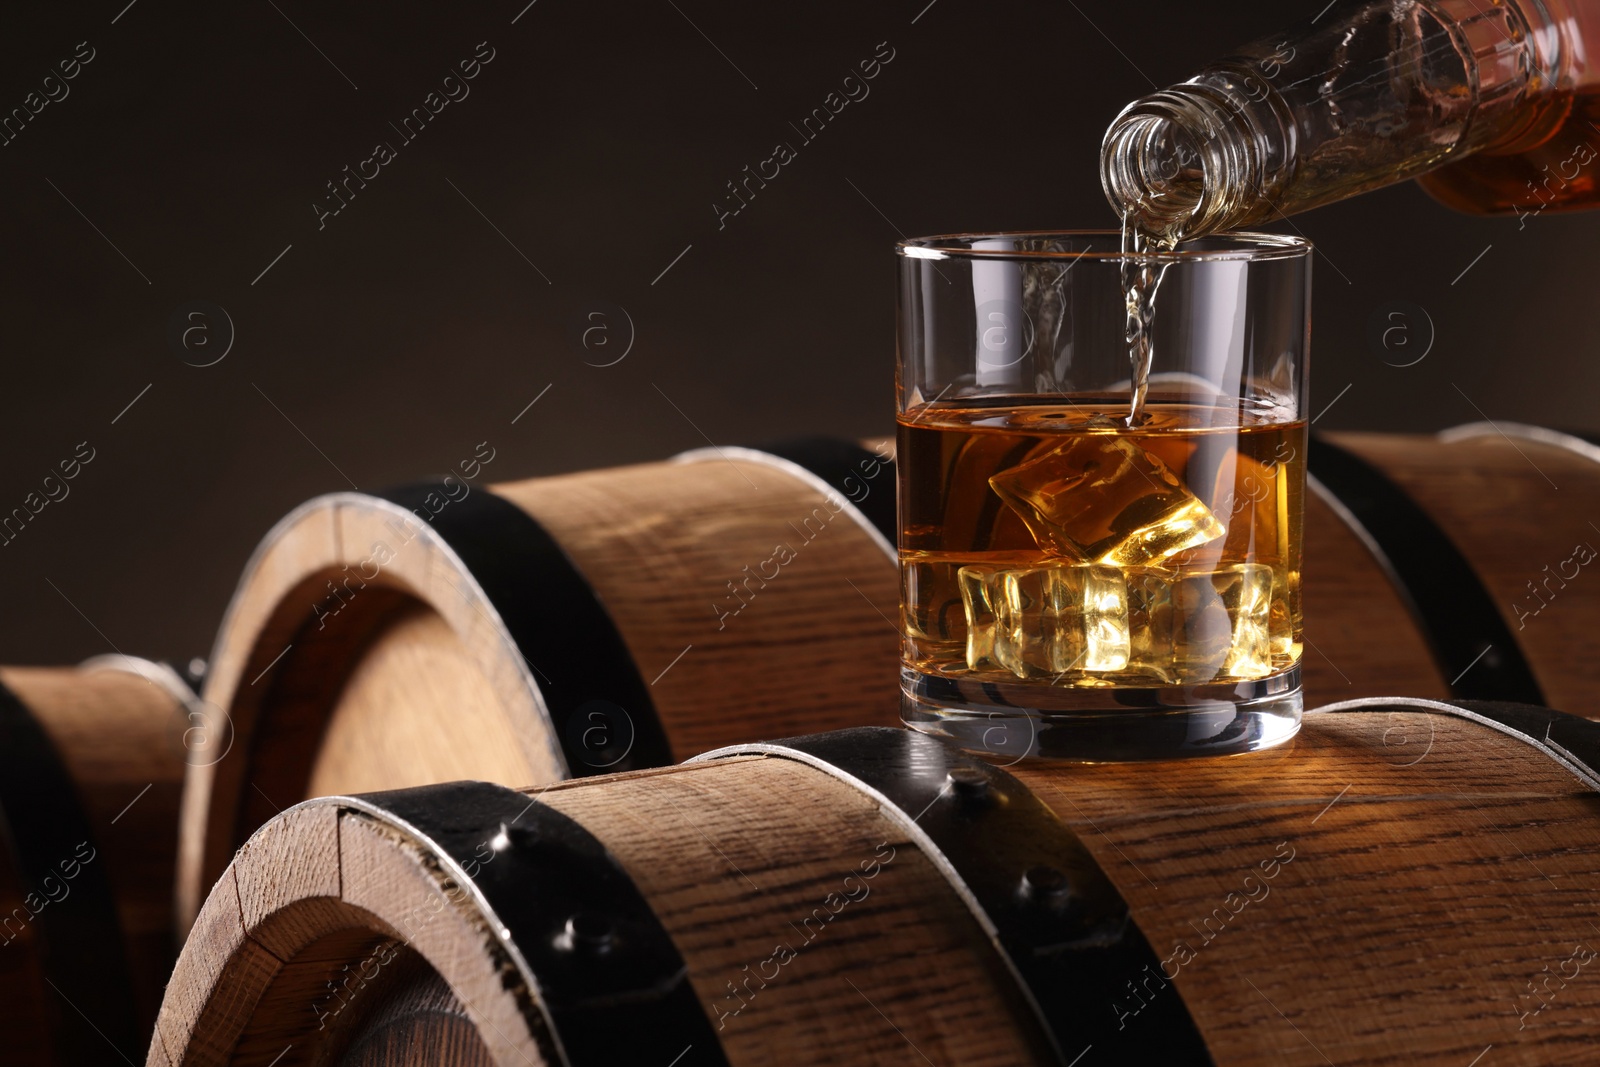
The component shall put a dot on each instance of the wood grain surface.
(421, 1021)
(1519, 510)
(292, 648)
(815, 645)
(763, 853)
(120, 737)
(1424, 871)
(767, 853)
(332, 934)
(416, 708)
(404, 675)
(1392, 887)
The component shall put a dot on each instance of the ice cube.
(974, 584)
(1048, 620)
(1100, 498)
(930, 612)
(1191, 628)
(1280, 621)
(1246, 594)
(1150, 624)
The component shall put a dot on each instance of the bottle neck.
(1369, 94)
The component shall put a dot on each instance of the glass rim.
(1244, 246)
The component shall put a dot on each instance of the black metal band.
(1465, 630)
(864, 478)
(76, 936)
(1569, 740)
(1054, 915)
(600, 707)
(606, 974)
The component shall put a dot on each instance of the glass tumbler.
(1080, 580)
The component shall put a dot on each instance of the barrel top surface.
(1424, 869)
(1516, 501)
(761, 458)
(383, 867)
(1391, 886)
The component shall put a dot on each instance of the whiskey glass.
(1079, 581)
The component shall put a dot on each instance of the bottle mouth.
(1152, 170)
(1184, 161)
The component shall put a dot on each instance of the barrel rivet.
(968, 783)
(586, 931)
(1045, 886)
(512, 835)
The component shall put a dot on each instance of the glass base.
(1103, 725)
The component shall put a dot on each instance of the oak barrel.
(91, 769)
(560, 626)
(1407, 881)
(1488, 531)
(624, 618)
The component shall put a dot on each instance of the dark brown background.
(408, 330)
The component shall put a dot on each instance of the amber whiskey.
(1559, 171)
(1047, 541)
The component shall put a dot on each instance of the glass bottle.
(1493, 105)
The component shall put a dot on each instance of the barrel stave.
(768, 854)
(1426, 882)
(1518, 508)
(86, 866)
(720, 594)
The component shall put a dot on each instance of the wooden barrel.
(1487, 532)
(91, 769)
(625, 618)
(1408, 881)
(541, 629)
